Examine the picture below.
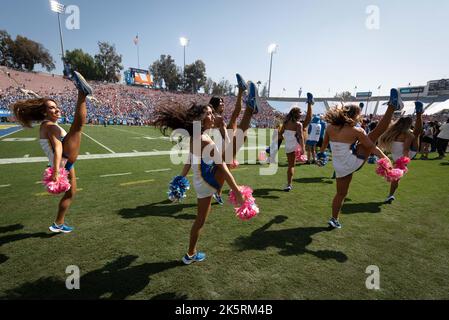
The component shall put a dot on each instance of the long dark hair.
(215, 103)
(173, 115)
(294, 115)
(27, 111)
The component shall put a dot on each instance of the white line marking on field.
(26, 156)
(88, 153)
(135, 151)
(10, 133)
(5, 186)
(155, 150)
(111, 156)
(133, 183)
(130, 132)
(111, 151)
(157, 170)
(116, 175)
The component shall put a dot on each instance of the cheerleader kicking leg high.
(61, 148)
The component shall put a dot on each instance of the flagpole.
(138, 57)
(136, 42)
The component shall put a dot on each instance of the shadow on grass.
(314, 180)
(3, 258)
(289, 241)
(370, 207)
(160, 209)
(444, 164)
(17, 237)
(11, 228)
(265, 193)
(115, 281)
(170, 296)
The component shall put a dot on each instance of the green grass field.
(129, 240)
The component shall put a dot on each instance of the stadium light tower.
(184, 43)
(59, 8)
(272, 48)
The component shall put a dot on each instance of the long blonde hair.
(402, 126)
(27, 111)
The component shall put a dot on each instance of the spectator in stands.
(443, 140)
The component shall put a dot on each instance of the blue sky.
(324, 45)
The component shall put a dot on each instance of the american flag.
(136, 40)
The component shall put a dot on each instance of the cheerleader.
(293, 134)
(209, 171)
(341, 134)
(402, 141)
(218, 107)
(61, 148)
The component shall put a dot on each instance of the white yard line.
(110, 156)
(10, 133)
(157, 170)
(116, 175)
(5, 186)
(111, 151)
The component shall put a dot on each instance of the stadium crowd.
(116, 104)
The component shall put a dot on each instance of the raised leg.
(383, 125)
(237, 111)
(72, 142)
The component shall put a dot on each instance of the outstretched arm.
(300, 135)
(325, 143)
(186, 169)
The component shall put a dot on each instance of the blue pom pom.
(268, 150)
(322, 159)
(178, 188)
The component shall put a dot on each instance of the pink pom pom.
(61, 185)
(247, 194)
(394, 175)
(300, 157)
(248, 211)
(234, 165)
(402, 163)
(249, 208)
(383, 167)
(262, 156)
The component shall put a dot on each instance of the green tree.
(83, 63)
(24, 53)
(6, 47)
(109, 62)
(208, 86)
(344, 96)
(223, 88)
(166, 69)
(195, 74)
